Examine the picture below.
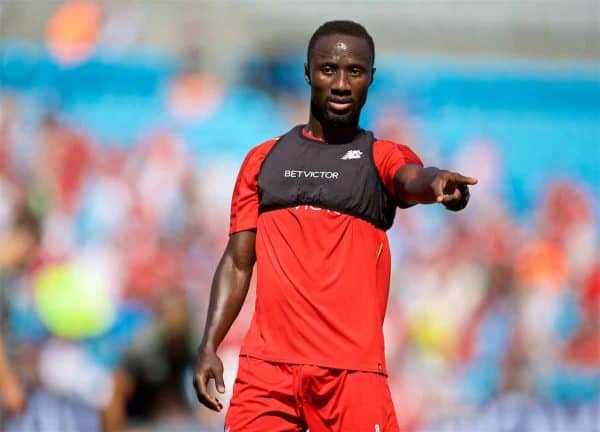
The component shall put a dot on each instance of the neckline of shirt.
(305, 133)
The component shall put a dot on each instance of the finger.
(204, 396)
(453, 196)
(200, 387)
(212, 375)
(438, 190)
(461, 179)
(220, 384)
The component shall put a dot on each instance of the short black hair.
(349, 28)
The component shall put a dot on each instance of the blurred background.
(122, 127)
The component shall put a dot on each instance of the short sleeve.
(389, 157)
(244, 201)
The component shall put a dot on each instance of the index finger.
(461, 179)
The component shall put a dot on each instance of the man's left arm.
(417, 185)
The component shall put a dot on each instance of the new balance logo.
(352, 154)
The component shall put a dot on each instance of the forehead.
(339, 47)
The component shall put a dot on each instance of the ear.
(373, 69)
(306, 73)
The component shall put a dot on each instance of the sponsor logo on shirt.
(332, 175)
(352, 154)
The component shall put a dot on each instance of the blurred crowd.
(106, 257)
(107, 252)
(103, 254)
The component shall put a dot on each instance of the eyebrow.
(353, 57)
(327, 61)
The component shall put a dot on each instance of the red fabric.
(244, 202)
(389, 157)
(583, 350)
(283, 397)
(68, 161)
(590, 299)
(322, 277)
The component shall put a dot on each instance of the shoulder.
(386, 149)
(261, 150)
(257, 154)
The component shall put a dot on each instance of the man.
(311, 208)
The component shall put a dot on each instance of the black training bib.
(341, 177)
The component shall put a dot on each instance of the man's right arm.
(229, 288)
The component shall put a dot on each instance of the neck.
(330, 133)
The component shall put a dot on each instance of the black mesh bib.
(341, 177)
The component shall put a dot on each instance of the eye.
(327, 69)
(356, 71)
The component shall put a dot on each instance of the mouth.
(339, 105)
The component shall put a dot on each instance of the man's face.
(339, 73)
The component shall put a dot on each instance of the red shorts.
(282, 397)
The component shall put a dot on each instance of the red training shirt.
(322, 276)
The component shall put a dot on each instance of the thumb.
(438, 190)
(220, 384)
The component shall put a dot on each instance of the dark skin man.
(340, 73)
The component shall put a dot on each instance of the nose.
(341, 83)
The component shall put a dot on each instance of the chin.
(341, 119)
